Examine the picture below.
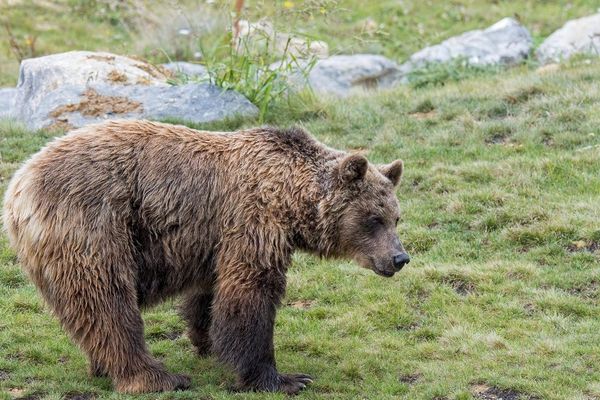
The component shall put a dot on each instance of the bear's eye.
(397, 220)
(374, 222)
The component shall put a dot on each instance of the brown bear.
(121, 215)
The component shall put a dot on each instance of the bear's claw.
(294, 383)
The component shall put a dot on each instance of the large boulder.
(78, 105)
(578, 36)
(505, 43)
(40, 76)
(347, 74)
(77, 88)
(7, 99)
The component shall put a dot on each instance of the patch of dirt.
(498, 139)
(523, 95)
(4, 375)
(529, 308)
(486, 392)
(79, 396)
(108, 59)
(589, 290)
(115, 76)
(408, 327)
(16, 391)
(94, 104)
(301, 304)
(590, 246)
(410, 379)
(172, 335)
(459, 284)
(424, 115)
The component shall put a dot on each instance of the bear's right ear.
(353, 168)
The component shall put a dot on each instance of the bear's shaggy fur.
(121, 215)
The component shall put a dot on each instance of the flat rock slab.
(344, 75)
(74, 106)
(40, 76)
(7, 99)
(505, 43)
(578, 36)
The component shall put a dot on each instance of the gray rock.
(188, 69)
(347, 74)
(79, 105)
(505, 43)
(578, 36)
(7, 99)
(40, 76)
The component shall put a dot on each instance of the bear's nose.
(400, 260)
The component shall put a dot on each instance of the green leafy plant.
(253, 70)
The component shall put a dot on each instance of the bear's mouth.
(380, 271)
(384, 273)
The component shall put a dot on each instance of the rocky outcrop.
(77, 88)
(579, 36)
(505, 43)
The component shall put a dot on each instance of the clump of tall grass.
(254, 71)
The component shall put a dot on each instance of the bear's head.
(365, 209)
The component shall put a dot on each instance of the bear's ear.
(393, 171)
(353, 168)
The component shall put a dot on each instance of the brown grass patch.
(584, 245)
(410, 379)
(301, 304)
(483, 391)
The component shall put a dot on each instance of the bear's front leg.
(243, 315)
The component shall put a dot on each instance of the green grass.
(501, 211)
(501, 203)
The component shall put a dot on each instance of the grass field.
(501, 215)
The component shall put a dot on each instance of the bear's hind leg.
(97, 305)
(196, 310)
